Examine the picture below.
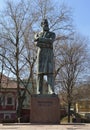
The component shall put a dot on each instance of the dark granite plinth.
(45, 109)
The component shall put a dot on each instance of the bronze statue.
(45, 57)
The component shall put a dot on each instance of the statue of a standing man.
(45, 57)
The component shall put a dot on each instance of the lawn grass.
(65, 120)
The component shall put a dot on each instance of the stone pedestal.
(45, 109)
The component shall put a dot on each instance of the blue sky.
(81, 15)
(80, 12)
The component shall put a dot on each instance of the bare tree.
(14, 24)
(70, 64)
(59, 16)
(1, 66)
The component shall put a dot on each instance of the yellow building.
(83, 107)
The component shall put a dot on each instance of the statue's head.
(44, 25)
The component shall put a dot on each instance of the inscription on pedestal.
(44, 103)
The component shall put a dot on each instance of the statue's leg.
(40, 83)
(50, 80)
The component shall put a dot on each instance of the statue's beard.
(46, 29)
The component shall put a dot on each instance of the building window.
(7, 116)
(9, 101)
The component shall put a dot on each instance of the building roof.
(6, 82)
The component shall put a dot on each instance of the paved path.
(44, 127)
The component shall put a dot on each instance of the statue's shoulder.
(52, 34)
(40, 33)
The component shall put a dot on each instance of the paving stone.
(44, 127)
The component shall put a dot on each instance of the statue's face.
(45, 26)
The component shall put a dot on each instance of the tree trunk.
(69, 106)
